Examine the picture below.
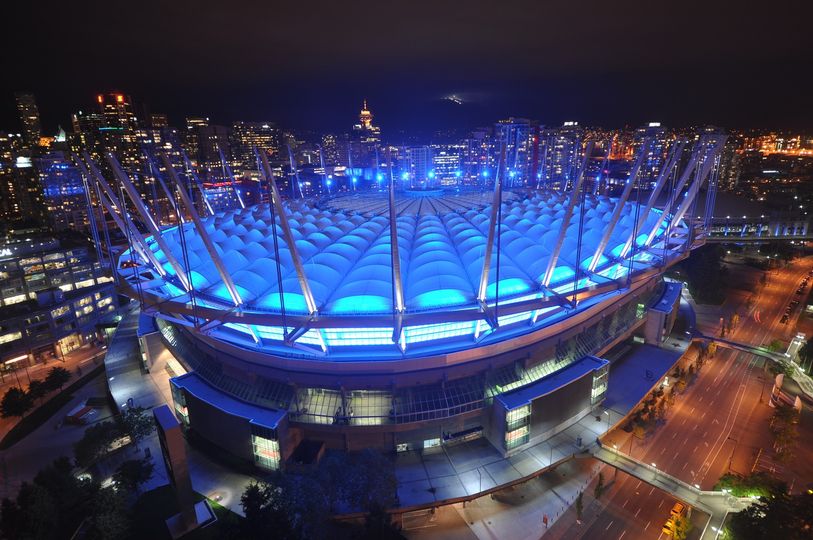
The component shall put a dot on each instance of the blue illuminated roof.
(345, 249)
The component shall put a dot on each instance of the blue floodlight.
(431, 173)
(458, 174)
(404, 175)
(485, 173)
(379, 177)
(355, 179)
(329, 182)
(512, 174)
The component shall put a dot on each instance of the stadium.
(406, 320)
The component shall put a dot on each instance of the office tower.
(63, 192)
(246, 136)
(561, 155)
(659, 139)
(119, 130)
(479, 157)
(20, 191)
(29, 118)
(213, 139)
(330, 149)
(446, 163)
(417, 163)
(514, 134)
(191, 137)
(364, 139)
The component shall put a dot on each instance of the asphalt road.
(718, 424)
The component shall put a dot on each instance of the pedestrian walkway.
(715, 503)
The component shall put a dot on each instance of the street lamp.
(607, 412)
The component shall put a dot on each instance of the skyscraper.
(515, 135)
(246, 136)
(364, 139)
(658, 138)
(29, 118)
(561, 155)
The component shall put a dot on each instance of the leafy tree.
(682, 528)
(132, 473)
(137, 423)
(638, 431)
(57, 377)
(110, 519)
(711, 349)
(37, 389)
(779, 516)
(96, 442)
(579, 506)
(267, 513)
(775, 345)
(32, 516)
(757, 483)
(16, 402)
(72, 496)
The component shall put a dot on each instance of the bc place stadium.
(404, 319)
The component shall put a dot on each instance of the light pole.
(607, 412)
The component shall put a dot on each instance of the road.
(718, 424)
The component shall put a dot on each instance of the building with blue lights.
(404, 320)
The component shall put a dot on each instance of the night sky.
(309, 64)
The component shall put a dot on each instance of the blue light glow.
(404, 175)
(458, 174)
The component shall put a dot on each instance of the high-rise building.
(365, 138)
(29, 118)
(213, 139)
(515, 135)
(119, 130)
(63, 192)
(246, 136)
(446, 163)
(20, 191)
(158, 120)
(659, 139)
(416, 161)
(192, 135)
(330, 149)
(561, 155)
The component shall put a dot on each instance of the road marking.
(661, 503)
(625, 503)
(683, 423)
(695, 449)
(663, 451)
(684, 466)
(705, 433)
(674, 434)
(647, 524)
(700, 399)
(639, 484)
(637, 512)
(622, 534)
(651, 490)
(704, 415)
(692, 411)
(609, 525)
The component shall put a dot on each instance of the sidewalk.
(77, 362)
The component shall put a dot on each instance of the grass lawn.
(154, 507)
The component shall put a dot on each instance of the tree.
(16, 402)
(37, 389)
(96, 442)
(806, 354)
(267, 515)
(779, 516)
(682, 528)
(137, 423)
(109, 520)
(57, 377)
(760, 484)
(132, 473)
(638, 431)
(711, 349)
(775, 345)
(32, 515)
(579, 507)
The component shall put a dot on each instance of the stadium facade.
(404, 320)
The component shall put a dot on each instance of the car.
(784, 319)
(669, 527)
(678, 509)
(794, 303)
